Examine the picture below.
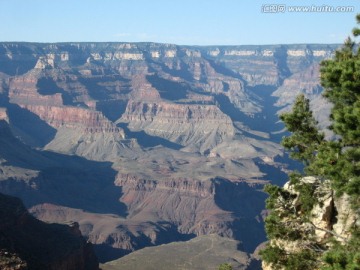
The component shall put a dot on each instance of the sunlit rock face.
(143, 143)
(331, 216)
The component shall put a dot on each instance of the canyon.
(145, 144)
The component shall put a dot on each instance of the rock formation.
(144, 144)
(202, 126)
(203, 252)
(331, 216)
(27, 243)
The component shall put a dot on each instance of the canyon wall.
(27, 243)
(145, 144)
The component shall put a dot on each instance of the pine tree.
(337, 160)
(341, 79)
(305, 138)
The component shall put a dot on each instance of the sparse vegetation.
(225, 266)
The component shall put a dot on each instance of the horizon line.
(165, 43)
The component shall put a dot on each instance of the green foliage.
(225, 266)
(341, 80)
(305, 259)
(337, 161)
(275, 192)
(273, 255)
(340, 165)
(305, 137)
(280, 259)
(279, 201)
(276, 228)
(289, 211)
(343, 257)
(307, 200)
(356, 31)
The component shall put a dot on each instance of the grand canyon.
(153, 148)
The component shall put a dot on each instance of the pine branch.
(328, 231)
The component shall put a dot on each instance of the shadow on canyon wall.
(65, 180)
(107, 253)
(146, 140)
(246, 204)
(266, 121)
(33, 130)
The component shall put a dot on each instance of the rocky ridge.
(27, 243)
(204, 252)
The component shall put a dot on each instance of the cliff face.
(35, 92)
(32, 244)
(200, 126)
(331, 216)
(161, 212)
(93, 85)
(196, 211)
(145, 144)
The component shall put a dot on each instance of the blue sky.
(183, 22)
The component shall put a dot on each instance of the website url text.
(281, 8)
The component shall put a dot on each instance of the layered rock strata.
(145, 143)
